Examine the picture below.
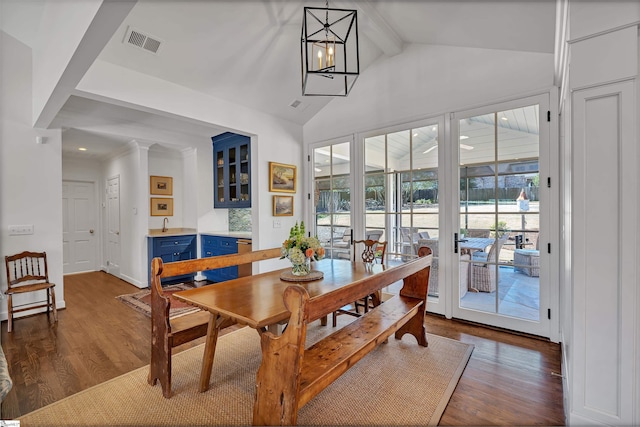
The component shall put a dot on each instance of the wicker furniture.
(433, 276)
(484, 267)
(341, 245)
(527, 261)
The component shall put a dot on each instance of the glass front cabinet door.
(232, 171)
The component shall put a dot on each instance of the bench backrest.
(415, 274)
(282, 386)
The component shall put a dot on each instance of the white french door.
(482, 173)
(501, 160)
(330, 165)
(402, 186)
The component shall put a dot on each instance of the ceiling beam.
(105, 22)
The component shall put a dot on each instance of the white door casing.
(113, 226)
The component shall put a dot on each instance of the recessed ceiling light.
(82, 149)
(466, 147)
(415, 134)
(464, 137)
(504, 118)
(435, 128)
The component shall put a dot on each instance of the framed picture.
(161, 206)
(282, 177)
(161, 185)
(282, 205)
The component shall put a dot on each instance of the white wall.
(30, 174)
(169, 164)
(600, 304)
(132, 236)
(272, 139)
(428, 80)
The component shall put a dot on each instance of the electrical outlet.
(277, 223)
(16, 230)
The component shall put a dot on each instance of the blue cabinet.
(231, 171)
(211, 245)
(172, 248)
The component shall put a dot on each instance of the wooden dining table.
(257, 301)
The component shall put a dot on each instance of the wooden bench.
(168, 333)
(290, 376)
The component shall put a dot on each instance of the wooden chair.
(27, 272)
(373, 250)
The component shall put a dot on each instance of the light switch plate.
(277, 223)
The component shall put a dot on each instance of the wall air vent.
(140, 40)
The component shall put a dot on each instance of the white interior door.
(79, 218)
(113, 226)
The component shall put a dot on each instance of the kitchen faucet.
(164, 224)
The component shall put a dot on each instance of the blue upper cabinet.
(231, 171)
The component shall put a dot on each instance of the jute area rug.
(141, 301)
(399, 383)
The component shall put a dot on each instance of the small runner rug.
(399, 383)
(141, 301)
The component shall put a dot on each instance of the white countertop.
(157, 232)
(236, 234)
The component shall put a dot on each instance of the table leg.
(215, 324)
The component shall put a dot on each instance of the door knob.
(117, 233)
(91, 231)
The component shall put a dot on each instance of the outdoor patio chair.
(409, 236)
(484, 266)
(433, 276)
(342, 244)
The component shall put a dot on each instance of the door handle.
(456, 241)
(117, 233)
(91, 231)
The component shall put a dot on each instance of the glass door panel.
(499, 207)
(401, 194)
(332, 198)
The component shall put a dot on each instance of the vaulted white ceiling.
(248, 51)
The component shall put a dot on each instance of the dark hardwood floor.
(510, 379)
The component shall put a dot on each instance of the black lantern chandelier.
(330, 53)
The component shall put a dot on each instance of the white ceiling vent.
(137, 38)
